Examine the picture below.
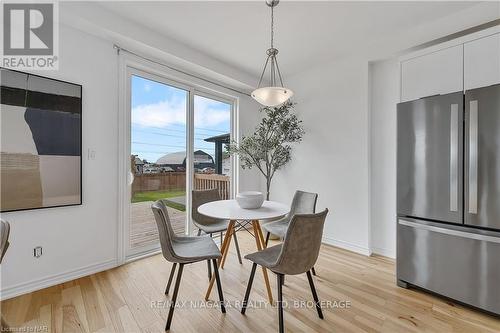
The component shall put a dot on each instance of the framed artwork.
(40, 142)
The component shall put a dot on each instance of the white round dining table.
(230, 210)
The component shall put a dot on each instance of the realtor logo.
(28, 29)
(29, 35)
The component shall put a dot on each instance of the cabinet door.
(482, 62)
(436, 73)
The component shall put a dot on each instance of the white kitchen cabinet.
(439, 72)
(482, 62)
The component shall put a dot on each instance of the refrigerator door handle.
(454, 158)
(452, 232)
(473, 156)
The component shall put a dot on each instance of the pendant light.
(276, 93)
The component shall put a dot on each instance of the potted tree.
(269, 147)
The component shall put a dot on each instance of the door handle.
(447, 231)
(473, 156)
(454, 158)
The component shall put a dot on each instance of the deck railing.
(208, 181)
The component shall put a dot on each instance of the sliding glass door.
(212, 133)
(178, 139)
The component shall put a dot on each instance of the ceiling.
(306, 32)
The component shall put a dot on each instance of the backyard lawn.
(156, 195)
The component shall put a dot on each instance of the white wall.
(82, 239)
(332, 160)
(384, 95)
(74, 238)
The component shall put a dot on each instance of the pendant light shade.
(272, 96)
(276, 93)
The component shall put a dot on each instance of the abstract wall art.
(40, 142)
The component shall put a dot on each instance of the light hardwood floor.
(120, 300)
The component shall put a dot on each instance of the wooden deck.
(143, 230)
(130, 299)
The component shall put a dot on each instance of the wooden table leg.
(224, 248)
(229, 234)
(261, 236)
(259, 241)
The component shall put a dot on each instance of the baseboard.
(347, 246)
(384, 252)
(30, 286)
(143, 255)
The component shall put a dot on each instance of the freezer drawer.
(430, 158)
(453, 261)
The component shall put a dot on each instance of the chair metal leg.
(280, 302)
(315, 295)
(174, 297)
(219, 286)
(237, 247)
(221, 237)
(249, 287)
(172, 271)
(267, 237)
(313, 271)
(199, 232)
(209, 266)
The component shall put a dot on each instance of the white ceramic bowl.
(250, 199)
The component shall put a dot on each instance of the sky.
(159, 119)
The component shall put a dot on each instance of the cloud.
(161, 114)
(208, 113)
(147, 87)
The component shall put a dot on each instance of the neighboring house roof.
(138, 161)
(178, 158)
(172, 158)
(201, 157)
(224, 138)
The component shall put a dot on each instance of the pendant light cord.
(272, 27)
(271, 59)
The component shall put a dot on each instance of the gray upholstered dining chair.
(208, 224)
(4, 244)
(183, 250)
(296, 255)
(302, 203)
(4, 238)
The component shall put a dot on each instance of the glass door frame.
(128, 68)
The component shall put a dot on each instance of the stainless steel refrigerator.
(448, 196)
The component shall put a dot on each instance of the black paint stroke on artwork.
(54, 132)
(39, 100)
(44, 101)
(12, 96)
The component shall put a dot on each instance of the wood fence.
(159, 182)
(170, 181)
